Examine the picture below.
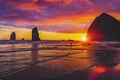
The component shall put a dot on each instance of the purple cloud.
(26, 13)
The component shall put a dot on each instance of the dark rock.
(13, 36)
(104, 28)
(35, 34)
(23, 39)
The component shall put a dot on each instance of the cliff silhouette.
(35, 34)
(13, 36)
(104, 28)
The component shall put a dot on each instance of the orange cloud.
(21, 22)
(116, 15)
(67, 23)
(69, 19)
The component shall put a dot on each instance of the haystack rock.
(104, 28)
(35, 34)
(13, 36)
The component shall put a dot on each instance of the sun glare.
(83, 38)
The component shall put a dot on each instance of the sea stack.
(104, 28)
(13, 36)
(35, 34)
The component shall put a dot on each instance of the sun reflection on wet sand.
(96, 61)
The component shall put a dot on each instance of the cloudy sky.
(53, 16)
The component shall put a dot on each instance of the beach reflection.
(105, 65)
(63, 58)
(34, 53)
(106, 57)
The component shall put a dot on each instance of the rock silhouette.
(23, 39)
(13, 36)
(35, 34)
(104, 28)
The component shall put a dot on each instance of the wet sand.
(96, 61)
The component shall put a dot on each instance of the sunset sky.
(55, 19)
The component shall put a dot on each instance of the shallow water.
(67, 56)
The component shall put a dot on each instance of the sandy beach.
(59, 60)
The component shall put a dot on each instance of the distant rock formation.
(23, 39)
(13, 36)
(104, 28)
(35, 34)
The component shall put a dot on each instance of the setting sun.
(83, 38)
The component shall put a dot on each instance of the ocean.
(59, 57)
